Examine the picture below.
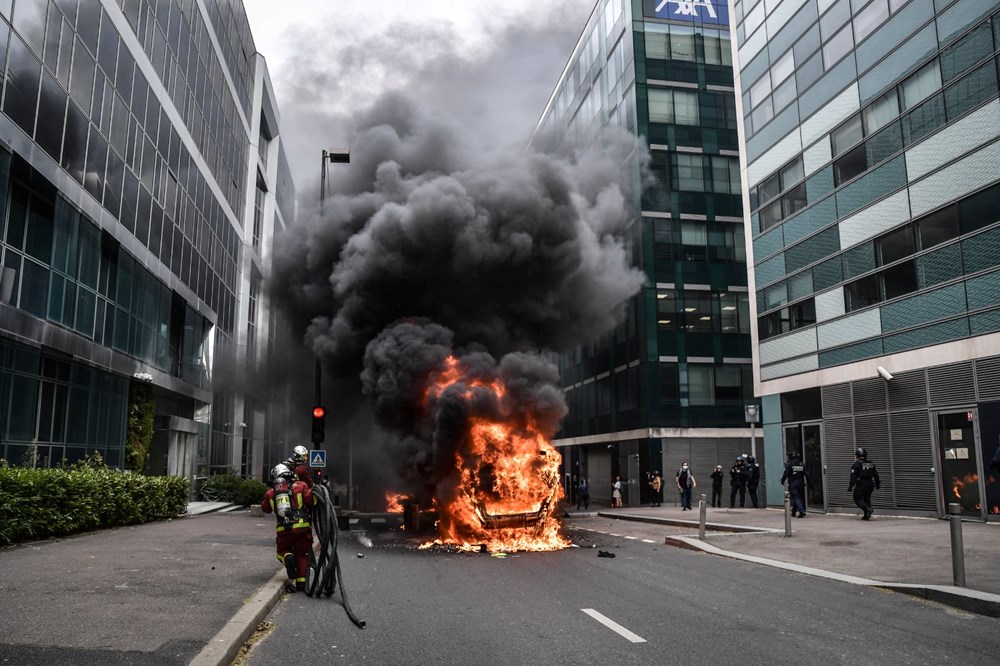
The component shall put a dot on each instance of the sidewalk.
(911, 555)
(159, 593)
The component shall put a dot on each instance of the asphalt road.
(650, 604)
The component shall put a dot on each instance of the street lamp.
(751, 414)
(335, 156)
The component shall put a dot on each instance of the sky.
(491, 65)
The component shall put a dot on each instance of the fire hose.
(324, 562)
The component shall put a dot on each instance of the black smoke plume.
(433, 246)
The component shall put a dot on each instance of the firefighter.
(291, 501)
(298, 462)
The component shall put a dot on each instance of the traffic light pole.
(319, 372)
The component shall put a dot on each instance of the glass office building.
(141, 180)
(871, 166)
(671, 382)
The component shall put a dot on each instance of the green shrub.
(39, 503)
(230, 488)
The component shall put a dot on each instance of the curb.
(225, 645)
(715, 527)
(974, 601)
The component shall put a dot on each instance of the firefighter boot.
(290, 568)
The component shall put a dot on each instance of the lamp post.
(335, 156)
(751, 414)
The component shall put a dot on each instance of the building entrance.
(806, 440)
(961, 465)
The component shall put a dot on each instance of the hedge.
(40, 503)
(230, 488)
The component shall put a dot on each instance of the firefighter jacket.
(302, 501)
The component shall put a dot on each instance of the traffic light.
(319, 425)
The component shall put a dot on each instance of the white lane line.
(648, 541)
(614, 626)
(613, 534)
(631, 537)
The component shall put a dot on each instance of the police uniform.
(864, 479)
(753, 480)
(737, 484)
(797, 476)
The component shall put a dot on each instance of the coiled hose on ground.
(324, 565)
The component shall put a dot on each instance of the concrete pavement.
(192, 590)
(905, 554)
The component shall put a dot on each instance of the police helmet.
(739, 459)
(861, 452)
(300, 453)
(281, 470)
(752, 459)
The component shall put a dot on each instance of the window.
(794, 200)
(838, 46)
(938, 227)
(661, 106)
(881, 111)
(769, 188)
(694, 240)
(869, 19)
(682, 43)
(783, 68)
(921, 85)
(850, 165)
(846, 136)
(673, 106)
(666, 311)
(754, 18)
(686, 107)
(690, 177)
(895, 245)
(729, 315)
(760, 90)
(898, 280)
(697, 312)
(861, 293)
(792, 173)
(727, 385)
(700, 390)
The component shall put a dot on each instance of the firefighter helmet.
(300, 454)
(281, 470)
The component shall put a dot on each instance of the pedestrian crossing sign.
(317, 458)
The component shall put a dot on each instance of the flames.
(959, 484)
(502, 489)
(394, 502)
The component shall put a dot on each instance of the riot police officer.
(797, 476)
(864, 479)
(738, 483)
(753, 479)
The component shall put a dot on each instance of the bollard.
(788, 514)
(957, 550)
(701, 517)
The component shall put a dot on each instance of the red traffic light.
(318, 412)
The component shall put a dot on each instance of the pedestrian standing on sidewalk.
(583, 495)
(737, 484)
(656, 483)
(717, 476)
(864, 480)
(616, 493)
(753, 479)
(797, 476)
(685, 484)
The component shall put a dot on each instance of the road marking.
(613, 534)
(631, 537)
(614, 626)
(648, 541)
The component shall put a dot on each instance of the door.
(958, 451)
(805, 439)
